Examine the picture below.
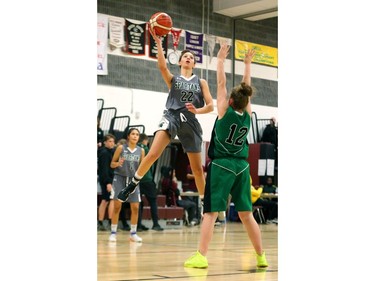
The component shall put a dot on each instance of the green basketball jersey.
(229, 135)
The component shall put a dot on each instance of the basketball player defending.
(188, 95)
(229, 170)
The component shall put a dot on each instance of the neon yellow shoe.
(196, 260)
(196, 274)
(261, 260)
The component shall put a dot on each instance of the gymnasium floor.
(161, 255)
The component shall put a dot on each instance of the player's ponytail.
(240, 96)
(246, 90)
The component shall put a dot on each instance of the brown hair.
(109, 136)
(187, 51)
(240, 96)
(142, 137)
(131, 130)
(121, 141)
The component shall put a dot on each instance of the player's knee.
(244, 216)
(153, 156)
(198, 171)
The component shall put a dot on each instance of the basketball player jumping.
(188, 95)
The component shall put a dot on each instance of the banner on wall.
(222, 40)
(211, 42)
(135, 37)
(102, 42)
(116, 32)
(153, 48)
(176, 37)
(173, 57)
(194, 43)
(263, 55)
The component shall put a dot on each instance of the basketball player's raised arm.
(247, 73)
(222, 103)
(162, 63)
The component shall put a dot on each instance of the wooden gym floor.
(161, 255)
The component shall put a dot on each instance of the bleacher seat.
(164, 212)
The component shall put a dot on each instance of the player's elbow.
(221, 85)
(210, 107)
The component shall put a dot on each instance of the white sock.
(113, 228)
(133, 229)
(137, 178)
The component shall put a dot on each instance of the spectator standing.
(148, 188)
(270, 135)
(105, 176)
(100, 134)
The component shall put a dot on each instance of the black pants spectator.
(149, 190)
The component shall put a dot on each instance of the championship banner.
(176, 37)
(222, 40)
(135, 38)
(211, 41)
(194, 43)
(263, 55)
(116, 32)
(102, 41)
(153, 48)
(173, 56)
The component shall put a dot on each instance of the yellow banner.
(264, 54)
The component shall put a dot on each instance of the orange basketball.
(161, 23)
